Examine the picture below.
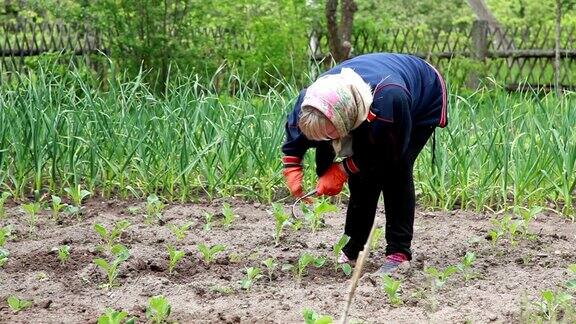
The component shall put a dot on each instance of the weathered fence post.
(478, 50)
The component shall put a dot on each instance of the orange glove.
(332, 181)
(293, 176)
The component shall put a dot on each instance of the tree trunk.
(339, 33)
(482, 12)
(558, 85)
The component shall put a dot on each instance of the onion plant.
(60, 131)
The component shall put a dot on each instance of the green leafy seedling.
(228, 214)
(439, 278)
(315, 216)
(271, 265)
(466, 265)
(571, 284)
(77, 195)
(3, 198)
(57, 207)
(551, 303)
(32, 210)
(175, 257)
(4, 254)
(252, 274)
(208, 218)
(133, 210)
(64, 253)
(376, 238)
(209, 253)
(181, 231)
(5, 233)
(311, 317)
(336, 250)
(111, 237)
(154, 207)
(224, 290)
(111, 268)
(158, 309)
(281, 218)
(112, 316)
(392, 288)
(304, 261)
(527, 216)
(16, 304)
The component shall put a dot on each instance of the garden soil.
(508, 278)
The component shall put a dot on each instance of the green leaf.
(571, 284)
(56, 201)
(347, 269)
(325, 319)
(102, 264)
(101, 230)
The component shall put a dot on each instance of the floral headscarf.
(344, 99)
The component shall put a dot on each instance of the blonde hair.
(313, 123)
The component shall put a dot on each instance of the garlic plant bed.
(216, 272)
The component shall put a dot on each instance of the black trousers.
(396, 183)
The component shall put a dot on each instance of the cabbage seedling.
(315, 216)
(376, 238)
(392, 287)
(32, 210)
(228, 214)
(571, 284)
(337, 249)
(3, 198)
(64, 253)
(111, 237)
(122, 254)
(4, 234)
(16, 304)
(113, 316)
(57, 207)
(281, 218)
(209, 253)
(466, 265)
(252, 274)
(208, 218)
(180, 232)
(77, 194)
(158, 309)
(4, 254)
(271, 265)
(133, 210)
(175, 257)
(304, 261)
(551, 302)
(154, 207)
(311, 317)
(439, 278)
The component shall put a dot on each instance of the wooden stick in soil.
(357, 274)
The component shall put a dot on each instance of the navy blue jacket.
(408, 94)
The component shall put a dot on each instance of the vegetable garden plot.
(233, 271)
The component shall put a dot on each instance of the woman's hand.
(332, 181)
(293, 176)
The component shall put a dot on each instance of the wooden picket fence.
(513, 57)
(21, 44)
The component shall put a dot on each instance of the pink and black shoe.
(344, 259)
(392, 262)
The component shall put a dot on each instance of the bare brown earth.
(509, 277)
